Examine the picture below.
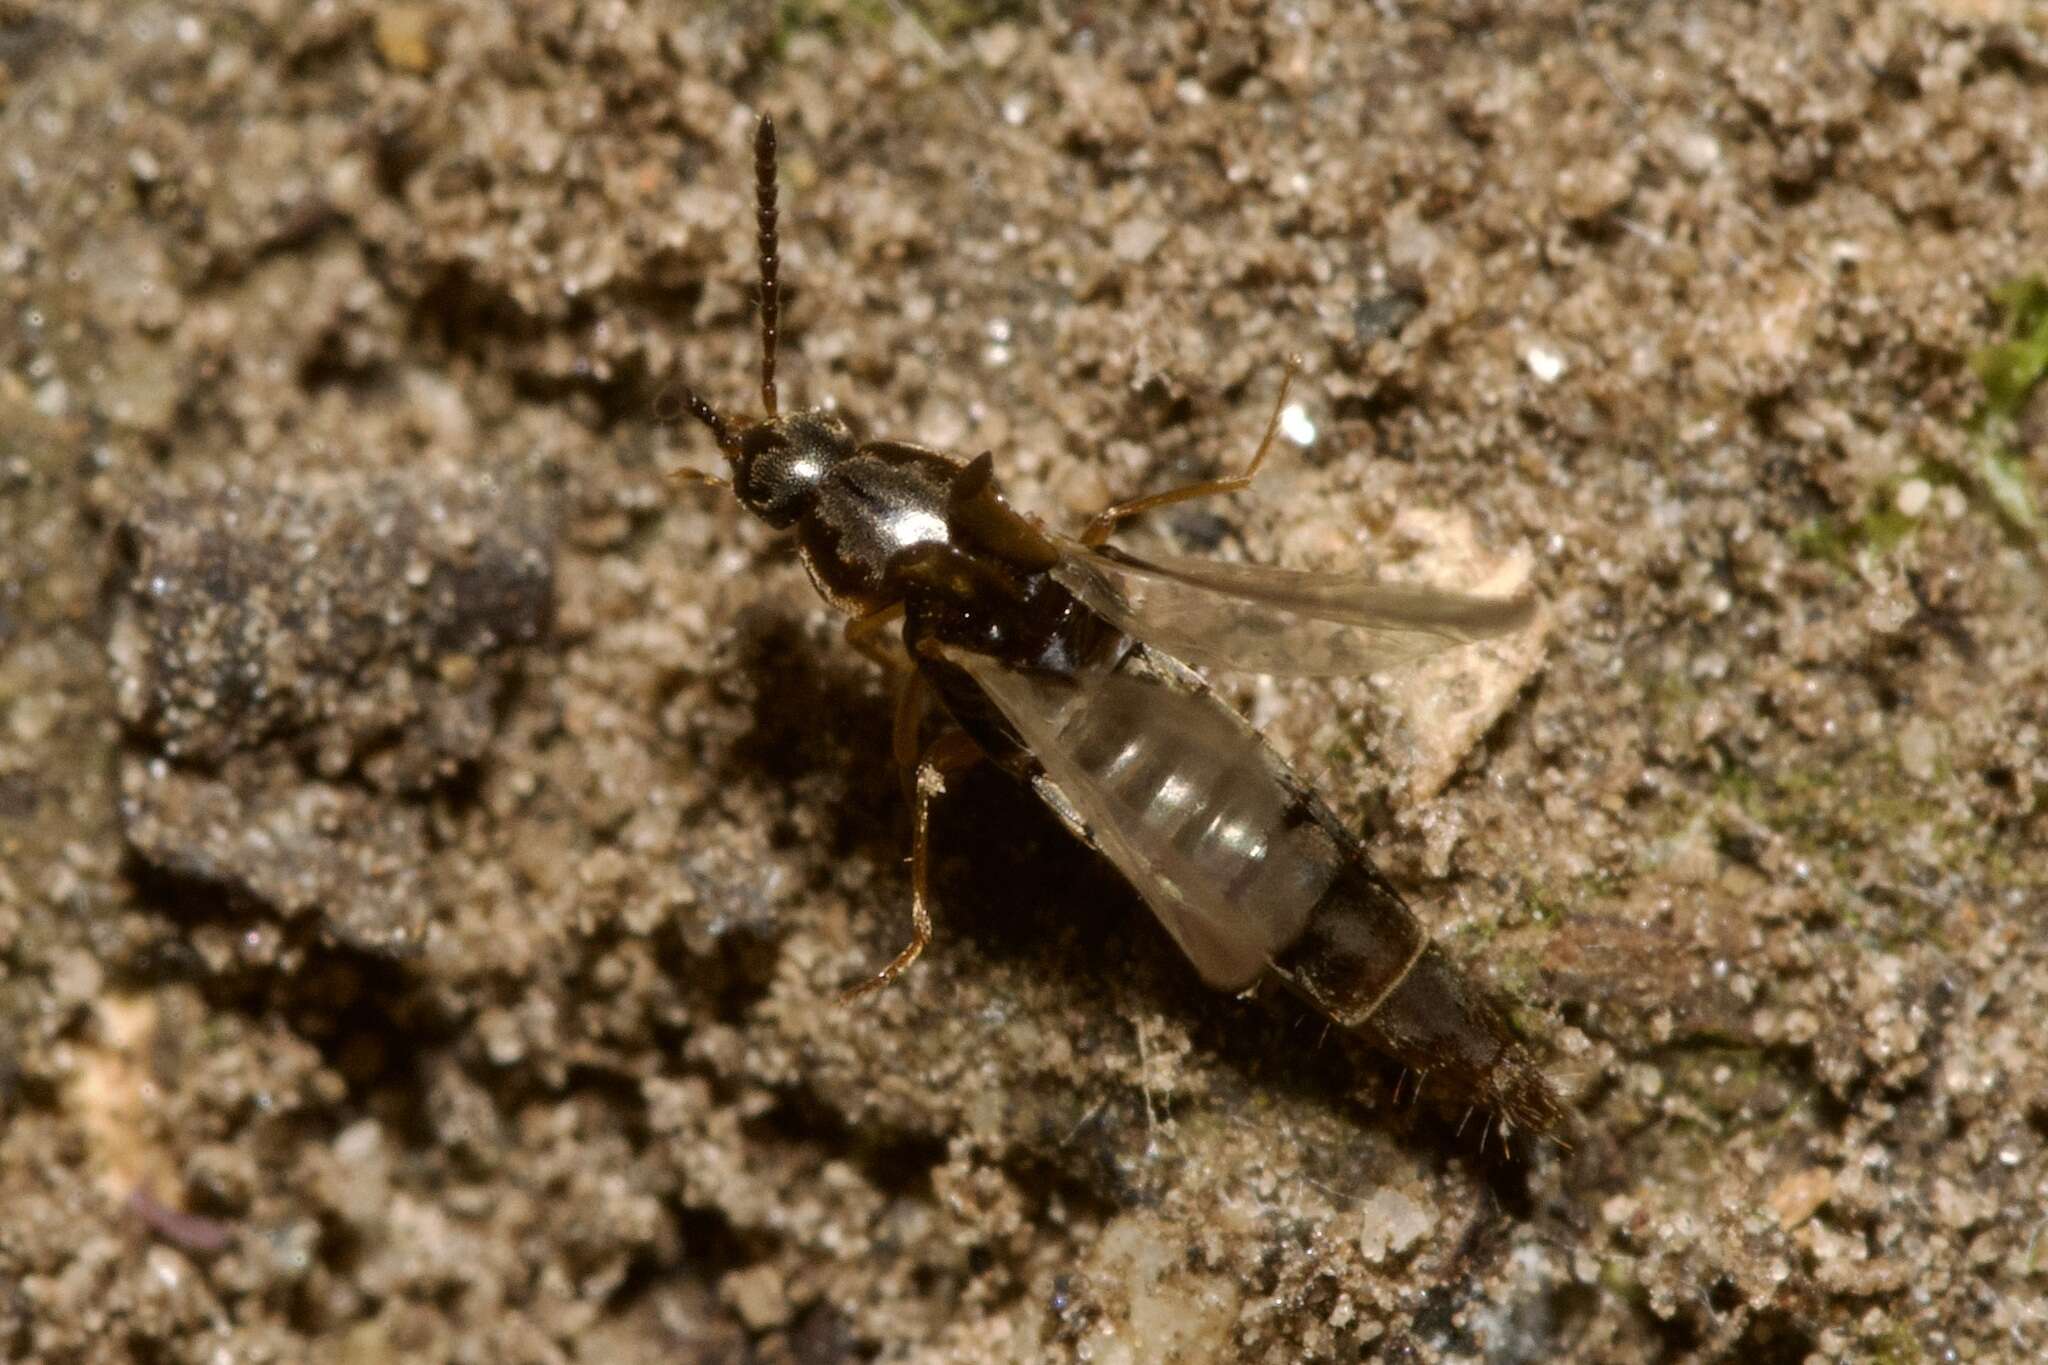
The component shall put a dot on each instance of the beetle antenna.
(708, 415)
(764, 220)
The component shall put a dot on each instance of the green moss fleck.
(2010, 369)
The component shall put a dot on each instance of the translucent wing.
(1253, 618)
(1184, 797)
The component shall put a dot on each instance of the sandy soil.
(430, 841)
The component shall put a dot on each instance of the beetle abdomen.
(1189, 804)
(1436, 1022)
(1249, 870)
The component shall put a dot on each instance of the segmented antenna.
(706, 414)
(764, 218)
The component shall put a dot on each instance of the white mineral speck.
(1697, 150)
(1135, 239)
(1919, 746)
(1392, 1223)
(1543, 362)
(1913, 497)
(1296, 426)
(359, 1142)
(997, 353)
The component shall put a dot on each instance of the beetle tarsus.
(949, 753)
(1109, 518)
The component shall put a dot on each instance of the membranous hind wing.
(1254, 618)
(1249, 871)
(1203, 818)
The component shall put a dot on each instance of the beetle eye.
(774, 476)
(767, 484)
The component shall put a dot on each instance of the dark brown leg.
(864, 633)
(1109, 518)
(949, 753)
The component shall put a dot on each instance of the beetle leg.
(949, 753)
(910, 694)
(1113, 516)
(864, 634)
(687, 475)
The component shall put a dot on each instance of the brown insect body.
(1036, 648)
